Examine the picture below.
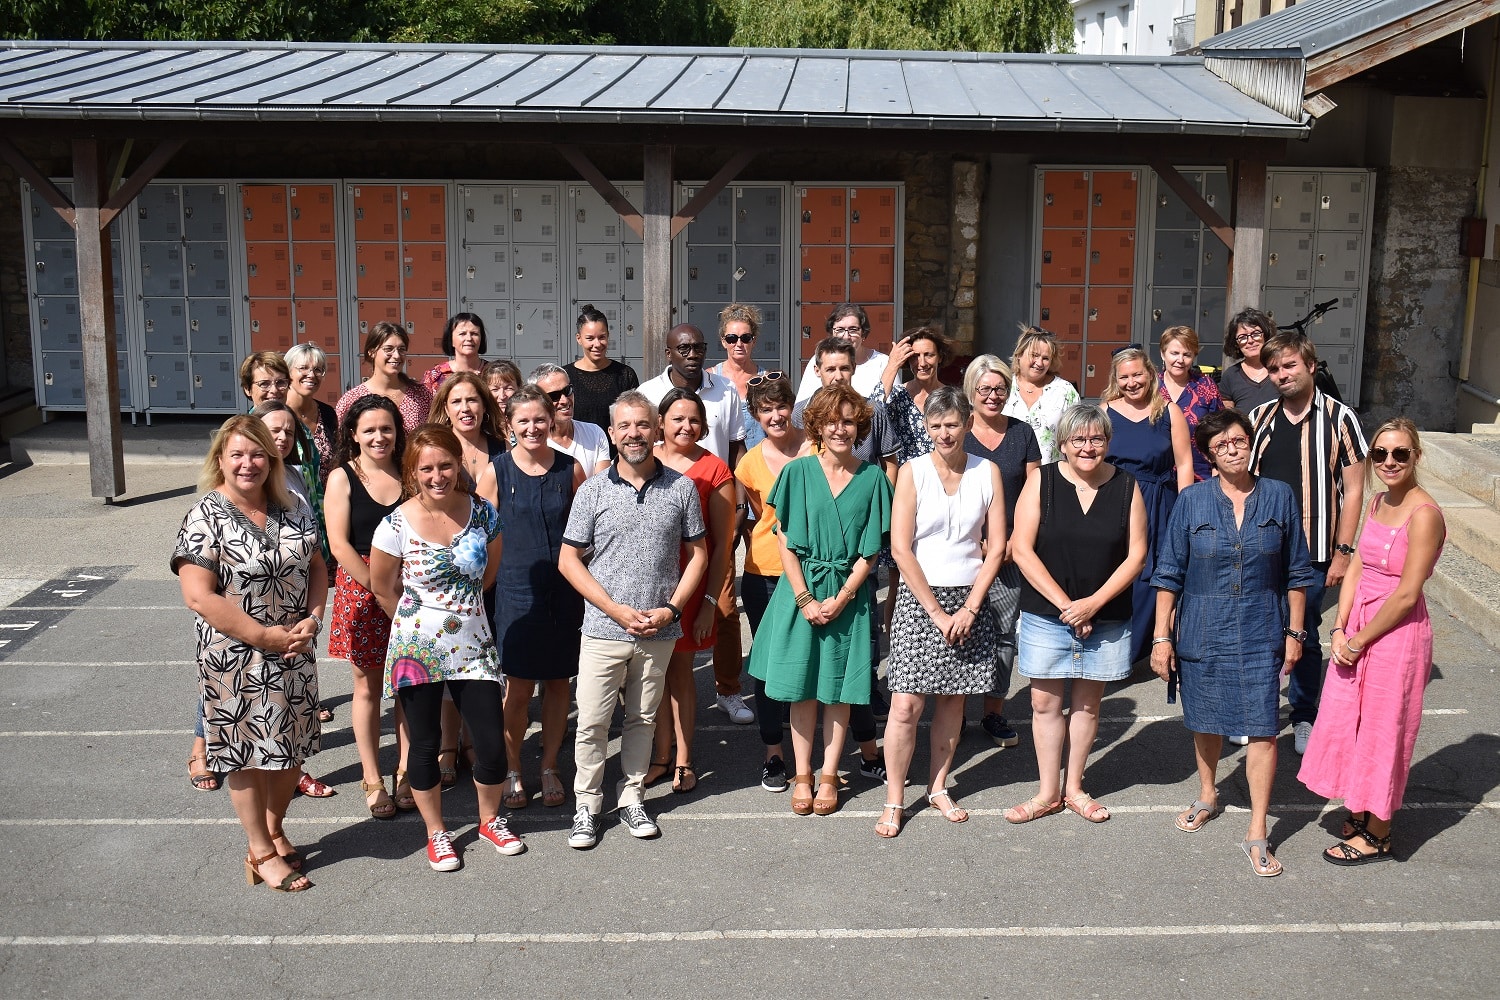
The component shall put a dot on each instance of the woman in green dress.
(834, 513)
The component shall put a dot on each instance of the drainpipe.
(1466, 350)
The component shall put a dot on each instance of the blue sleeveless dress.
(1144, 450)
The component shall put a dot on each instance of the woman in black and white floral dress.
(248, 559)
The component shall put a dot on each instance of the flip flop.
(1261, 861)
(1193, 819)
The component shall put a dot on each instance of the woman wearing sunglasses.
(1361, 744)
(586, 442)
(739, 325)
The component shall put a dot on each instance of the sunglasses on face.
(739, 338)
(688, 350)
(1401, 455)
(557, 395)
(767, 377)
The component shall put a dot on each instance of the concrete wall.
(1135, 27)
(1217, 16)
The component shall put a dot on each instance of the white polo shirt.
(726, 411)
(865, 381)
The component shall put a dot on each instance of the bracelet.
(1351, 647)
(1162, 638)
(970, 610)
(711, 601)
(804, 599)
(1337, 628)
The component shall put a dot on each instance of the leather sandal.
(1345, 856)
(204, 780)
(515, 796)
(313, 788)
(656, 770)
(405, 800)
(291, 857)
(686, 779)
(890, 828)
(1086, 806)
(1262, 862)
(288, 884)
(825, 805)
(1032, 809)
(448, 776)
(802, 805)
(553, 792)
(953, 813)
(382, 807)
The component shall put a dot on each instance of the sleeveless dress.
(538, 614)
(1144, 450)
(359, 630)
(707, 474)
(1362, 742)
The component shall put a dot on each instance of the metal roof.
(256, 82)
(1314, 27)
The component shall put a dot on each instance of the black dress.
(593, 392)
(538, 614)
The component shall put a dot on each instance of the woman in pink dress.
(1361, 744)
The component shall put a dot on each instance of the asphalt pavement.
(120, 880)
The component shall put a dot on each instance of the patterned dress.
(414, 408)
(906, 420)
(1198, 400)
(440, 631)
(260, 710)
(1057, 395)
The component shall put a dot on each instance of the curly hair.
(346, 446)
(827, 405)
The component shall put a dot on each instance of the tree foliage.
(949, 25)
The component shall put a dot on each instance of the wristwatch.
(711, 601)
(676, 611)
(1347, 550)
(1292, 633)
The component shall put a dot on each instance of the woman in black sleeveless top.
(362, 490)
(1079, 541)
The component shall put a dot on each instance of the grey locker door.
(161, 269)
(54, 268)
(1337, 257)
(1210, 325)
(710, 273)
(1172, 307)
(1341, 202)
(210, 326)
(59, 327)
(486, 213)
(537, 331)
(534, 215)
(216, 382)
(598, 273)
(498, 326)
(169, 382)
(536, 272)
(768, 343)
(1340, 326)
(757, 274)
(165, 324)
(630, 271)
(1213, 268)
(158, 212)
(715, 223)
(62, 378)
(1171, 211)
(1294, 200)
(207, 267)
(630, 338)
(487, 272)
(1177, 255)
(46, 224)
(758, 215)
(1287, 305)
(1289, 259)
(593, 221)
(205, 213)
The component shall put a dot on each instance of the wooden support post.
(1247, 259)
(96, 313)
(656, 258)
(1201, 208)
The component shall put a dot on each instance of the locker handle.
(1272, 258)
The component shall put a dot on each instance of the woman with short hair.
(308, 366)
(1192, 389)
(1246, 385)
(584, 441)
(465, 343)
(264, 375)
(926, 351)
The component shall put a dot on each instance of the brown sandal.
(204, 780)
(553, 792)
(292, 857)
(288, 884)
(405, 800)
(826, 805)
(802, 805)
(382, 807)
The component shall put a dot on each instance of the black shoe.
(879, 707)
(585, 833)
(640, 825)
(999, 730)
(873, 768)
(773, 775)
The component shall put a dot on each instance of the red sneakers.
(440, 853)
(497, 833)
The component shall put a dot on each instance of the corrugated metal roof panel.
(1313, 26)
(830, 89)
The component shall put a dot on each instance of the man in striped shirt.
(1312, 443)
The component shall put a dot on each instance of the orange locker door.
(1064, 255)
(1114, 199)
(315, 271)
(872, 216)
(375, 213)
(1098, 358)
(872, 274)
(312, 212)
(813, 327)
(824, 216)
(377, 270)
(1110, 315)
(268, 271)
(270, 324)
(424, 214)
(1070, 361)
(1065, 199)
(1112, 257)
(1062, 311)
(317, 322)
(424, 271)
(264, 209)
(882, 327)
(823, 274)
(372, 311)
(424, 320)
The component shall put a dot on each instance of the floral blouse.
(912, 439)
(440, 631)
(1057, 395)
(1198, 400)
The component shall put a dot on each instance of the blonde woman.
(1040, 395)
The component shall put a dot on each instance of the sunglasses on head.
(767, 377)
(738, 338)
(1401, 455)
(556, 395)
(1127, 347)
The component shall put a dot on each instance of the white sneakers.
(734, 706)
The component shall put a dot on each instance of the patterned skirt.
(922, 663)
(359, 631)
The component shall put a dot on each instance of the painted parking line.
(747, 934)
(98, 663)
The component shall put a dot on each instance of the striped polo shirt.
(1331, 441)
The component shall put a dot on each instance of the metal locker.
(424, 270)
(215, 382)
(54, 269)
(161, 268)
(705, 316)
(1214, 269)
(376, 215)
(630, 268)
(872, 216)
(487, 272)
(264, 211)
(710, 273)
(315, 270)
(316, 320)
(158, 212)
(1109, 315)
(1343, 365)
(62, 379)
(205, 212)
(593, 221)
(598, 273)
(1064, 256)
(1177, 255)
(872, 274)
(1286, 305)
(629, 332)
(424, 320)
(1173, 307)
(497, 326)
(812, 327)
(715, 223)
(1337, 257)
(59, 327)
(46, 224)
(757, 274)
(1113, 199)
(210, 327)
(1061, 311)
(534, 272)
(377, 270)
(424, 213)
(823, 274)
(207, 269)
(533, 215)
(270, 324)
(1210, 325)
(1289, 259)
(1112, 257)
(1216, 191)
(768, 343)
(1341, 201)
(1065, 196)
(165, 324)
(1294, 199)
(372, 311)
(1171, 211)
(169, 383)
(824, 215)
(486, 214)
(312, 212)
(758, 215)
(1338, 326)
(536, 326)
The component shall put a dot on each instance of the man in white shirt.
(686, 351)
(849, 322)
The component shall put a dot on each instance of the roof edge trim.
(1275, 82)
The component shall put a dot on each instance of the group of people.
(482, 536)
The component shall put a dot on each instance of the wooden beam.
(1247, 258)
(139, 178)
(1394, 39)
(728, 172)
(96, 313)
(43, 185)
(121, 162)
(611, 194)
(1189, 194)
(656, 258)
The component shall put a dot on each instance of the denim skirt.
(1048, 650)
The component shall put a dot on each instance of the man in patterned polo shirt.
(636, 517)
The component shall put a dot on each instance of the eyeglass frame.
(764, 377)
(557, 395)
(1231, 444)
(1395, 453)
(266, 384)
(688, 350)
(737, 338)
(990, 391)
(1093, 441)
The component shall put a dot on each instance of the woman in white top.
(849, 321)
(1040, 396)
(584, 441)
(948, 537)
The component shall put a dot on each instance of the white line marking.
(98, 663)
(745, 934)
(95, 607)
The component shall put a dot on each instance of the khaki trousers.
(605, 666)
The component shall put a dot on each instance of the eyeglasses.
(765, 377)
(847, 331)
(557, 395)
(266, 385)
(1097, 441)
(688, 350)
(991, 391)
(1401, 455)
(310, 369)
(393, 350)
(738, 338)
(1231, 444)
(1249, 338)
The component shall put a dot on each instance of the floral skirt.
(358, 631)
